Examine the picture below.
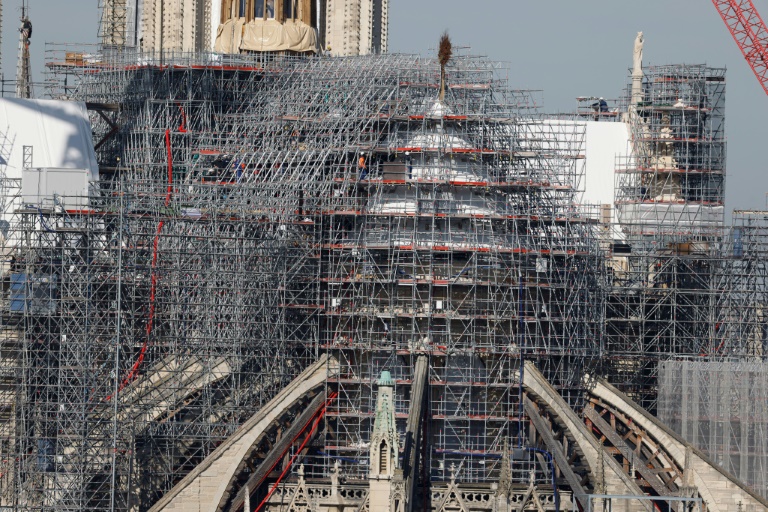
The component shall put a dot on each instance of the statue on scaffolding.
(665, 185)
(637, 68)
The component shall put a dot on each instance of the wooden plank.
(626, 451)
(226, 10)
(306, 11)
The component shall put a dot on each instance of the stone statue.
(335, 478)
(638, 54)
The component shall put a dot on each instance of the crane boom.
(750, 33)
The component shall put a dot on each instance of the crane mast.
(750, 33)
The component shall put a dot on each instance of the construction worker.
(26, 30)
(362, 167)
(600, 105)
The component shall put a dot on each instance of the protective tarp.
(261, 35)
(720, 407)
(270, 36)
(604, 144)
(229, 36)
(671, 217)
(58, 132)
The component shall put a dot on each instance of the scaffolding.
(685, 325)
(664, 267)
(671, 188)
(256, 211)
(117, 19)
(719, 401)
(721, 407)
(744, 281)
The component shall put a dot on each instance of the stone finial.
(335, 472)
(505, 472)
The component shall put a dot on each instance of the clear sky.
(563, 47)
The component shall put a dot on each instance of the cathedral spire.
(385, 478)
(384, 438)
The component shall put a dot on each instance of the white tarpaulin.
(665, 216)
(229, 36)
(58, 133)
(604, 142)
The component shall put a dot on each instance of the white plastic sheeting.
(271, 36)
(405, 201)
(604, 142)
(59, 133)
(428, 167)
(229, 36)
(666, 217)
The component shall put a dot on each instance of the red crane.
(749, 31)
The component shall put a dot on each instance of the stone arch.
(210, 485)
(384, 457)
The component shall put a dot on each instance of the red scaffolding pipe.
(315, 423)
(153, 280)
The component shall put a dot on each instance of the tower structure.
(114, 28)
(670, 205)
(356, 27)
(176, 26)
(272, 26)
(458, 238)
(258, 212)
(384, 473)
(345, 27)
(23, 70)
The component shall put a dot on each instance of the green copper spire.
(386, 379)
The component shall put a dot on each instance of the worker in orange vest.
(362, 168)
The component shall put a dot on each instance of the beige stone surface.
(205, 486)
(721, 491)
